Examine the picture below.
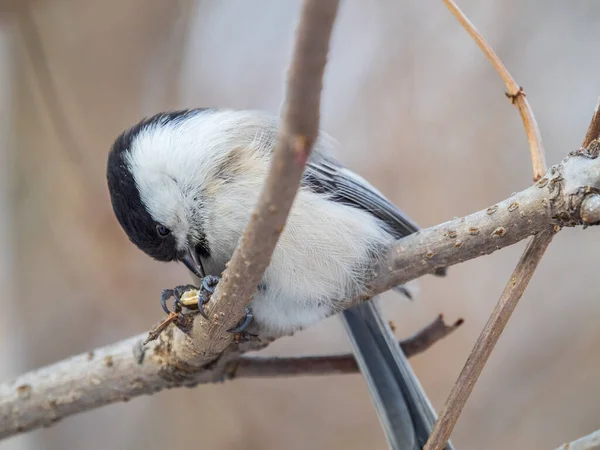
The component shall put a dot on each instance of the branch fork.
(201, 351)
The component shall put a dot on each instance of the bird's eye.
(162, 231)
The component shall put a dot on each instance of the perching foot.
(244, 323)
(176, 293)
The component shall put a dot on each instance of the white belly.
(319, 261)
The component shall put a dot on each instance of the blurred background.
(418, 111)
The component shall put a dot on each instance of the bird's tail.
(404, 410)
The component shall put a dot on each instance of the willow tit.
(183, 186)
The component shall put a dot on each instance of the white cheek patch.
(162, 197)
(173, 163)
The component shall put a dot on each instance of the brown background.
(418, 111)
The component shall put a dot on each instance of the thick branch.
(487, 341)
(122, 371)
(515, 92)
(111, 374)
(555, 201)
(299, 131)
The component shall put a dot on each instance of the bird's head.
(154, 189)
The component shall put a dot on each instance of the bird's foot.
(209, 283)
(244, 323)
(190, 296)
(177, 292)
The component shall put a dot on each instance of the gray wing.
(325, 175)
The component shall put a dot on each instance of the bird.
(183, 185)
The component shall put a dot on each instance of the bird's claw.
(209, 283)
(166, 295)
(207, 287)
(203, 299)
(176, 293)
(244, 323)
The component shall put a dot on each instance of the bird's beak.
(193, 263)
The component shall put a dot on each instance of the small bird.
(183, 186)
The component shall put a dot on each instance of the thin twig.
(515, 93)
(425, 338)
(589, 213)
(111, 374)
(589, 442)
(590, 207)
(487, 340)
(335, 364)
(593, 131)
(155, 332)
(524, 270)
(299, 130)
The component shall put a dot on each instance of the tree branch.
(300, 128)
(589, 442)
(588, 213)
(590, 209)
(487, 340)
(515, 93)
(593, 131)
(111, 374)
(124, 370)
(565, 196)
(523, 272)
(339, 364)
(553, 202)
